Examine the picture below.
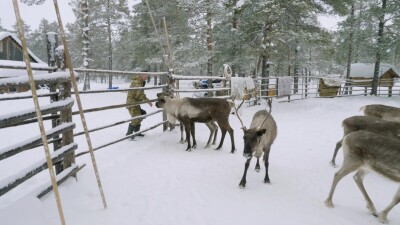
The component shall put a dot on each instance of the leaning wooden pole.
(78, 100)
(38, 112)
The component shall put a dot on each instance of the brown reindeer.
(382, 111)
(365, 150)
(212, 126)
(258, 140)
(367, 123)
(200, 110)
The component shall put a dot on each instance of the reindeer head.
(162, 98)
(252, 136)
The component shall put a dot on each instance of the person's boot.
(130, 130)
(137, 128)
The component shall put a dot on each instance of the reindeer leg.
(223, 131)
(215, 127)
(266, 163)
(358, 178)
(211, 128)
(338, 145)
(230, 130)
(242, 183)
(347, 167)
(182, 127)
(258, 165)
(192, 131)
(395, 201)
(187, 129)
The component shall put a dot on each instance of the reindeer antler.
(269, 112)
(237, 114)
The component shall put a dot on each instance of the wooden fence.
(312, 87)
(60, 113)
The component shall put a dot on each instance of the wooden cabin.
(361, 74)
(11, 56)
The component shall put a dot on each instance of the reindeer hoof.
(207, 146)
(333, 164)
(188, 149)
(329, 204)
(383, 219)
(257, 170)
(267, 181)
(242, 185)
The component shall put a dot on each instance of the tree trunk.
(85, 34)
(234, 33)
(350, 52)
(374, 90)
(296, 68)
(209, 38)
(109, 44)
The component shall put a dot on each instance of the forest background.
(256, 37)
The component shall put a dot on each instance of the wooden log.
(28, 96)
(39, 79)
(51, 117)
(114, 106)
(12, 118)
(61, 178)
(32, 142)
(121, 139)
(121, 90)
(120, 122)
(13, 181)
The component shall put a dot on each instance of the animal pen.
(59, 113)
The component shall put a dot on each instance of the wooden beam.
(33, 142)
(61, 178)
(12, 182)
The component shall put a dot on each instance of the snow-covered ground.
(154, 181)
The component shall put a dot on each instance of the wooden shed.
(361, 74)
(329, 87)
(11, 56)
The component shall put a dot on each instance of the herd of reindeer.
(370, 142)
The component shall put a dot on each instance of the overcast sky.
(33, 14)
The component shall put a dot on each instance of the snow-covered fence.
(63, 156)
(163, 76)
(312, 87)
(222, 92)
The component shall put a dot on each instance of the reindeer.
(201, 110)
(258, 140)
(212, 126)
(382, 111)
(365, 150)
(367, 123)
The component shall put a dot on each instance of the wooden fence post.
(66, 116)
(166, 80)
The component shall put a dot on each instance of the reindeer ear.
(261, 132)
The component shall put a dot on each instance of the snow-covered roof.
(365, 70)
(17, 72)
(13, 36)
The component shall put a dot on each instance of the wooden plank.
(121, 139)
(11, 182)
(33, 142)
(40, 79)
(15, 117)
(61, 178)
